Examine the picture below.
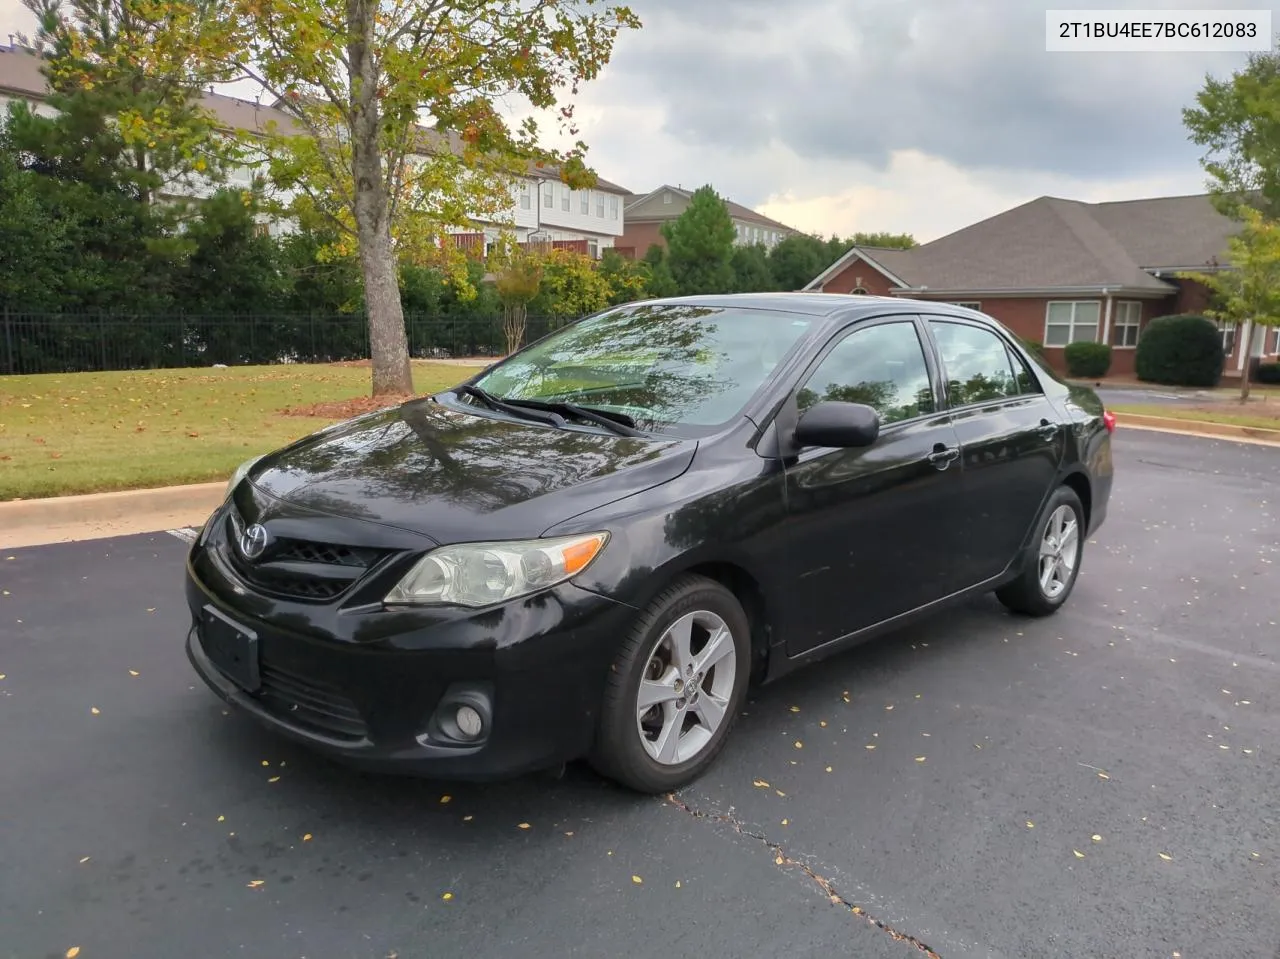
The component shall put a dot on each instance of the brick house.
(645, 213)
(1057, 271)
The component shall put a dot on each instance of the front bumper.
(535, 668)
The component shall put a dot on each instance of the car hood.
(455, 476)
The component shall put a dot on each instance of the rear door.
(870, 532)
(1012, 442)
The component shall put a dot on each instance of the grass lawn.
(1263, 415)
(93, 432)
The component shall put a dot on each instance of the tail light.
(1109, 421)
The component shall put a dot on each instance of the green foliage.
(661, 281)
(1087, 360)
(751, 273)
(1182, 350)
(700, 245)
(885, 241)
(1238, 123)
(628, 279)
(571, 286)
(231, 262)
(797, 259)
(1268, 373)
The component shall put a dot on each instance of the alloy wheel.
(1059, 551)
(686, 687)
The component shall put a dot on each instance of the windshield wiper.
(502, 406)
(619, 423)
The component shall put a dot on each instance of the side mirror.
(836, 424)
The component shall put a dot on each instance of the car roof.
(828, 305)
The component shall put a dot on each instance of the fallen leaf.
(785, 821)
(919, 759)
(133, 672)
(95, 710)
(822, 723)
(799, 745)
(467, 818)
(795, 709)
(1096, 838)
(1030, 824)
(569, 833)
(760, 783)
(1166, 857)
(447, 896)
(871, 745)
(1079, 854)
(828, 769)
(677, 883)
(274, 779)
(84, 860)
(306, 837)
(778, 861)
(779, 792)
(222, 818)
(266, 762)
(151, 609)
(74, 950)
(845, 697)
(1103, 776)
(255, 883)
(523, 825)
(445, 799)
(637, 880)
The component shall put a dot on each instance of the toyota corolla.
(593, 547)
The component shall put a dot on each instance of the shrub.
(1087, 360)
(1268, 373)
(1181, 350)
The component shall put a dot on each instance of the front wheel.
(1053, 563)
(675, 688)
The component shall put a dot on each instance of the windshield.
(674, 367)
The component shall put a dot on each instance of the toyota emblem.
(253, 541)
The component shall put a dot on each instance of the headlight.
(481, 574)
(241, 471)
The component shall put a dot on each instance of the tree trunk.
(513, 325)
(388, 345)
(1247, 348)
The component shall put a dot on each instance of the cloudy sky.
(917, 116)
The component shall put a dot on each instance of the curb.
(1170, 424)
(64, 519)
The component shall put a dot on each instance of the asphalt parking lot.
(1100, 783)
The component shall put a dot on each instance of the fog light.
(469, 722)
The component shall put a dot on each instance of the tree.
(659, 281)
(751, 273)
(357, 74)
(627, 279)
(517, 278)
(885, 241)
(1248, 292)
(571, 286)
(139, 67)
(700, 245)
(1238, 122)
(797, 259)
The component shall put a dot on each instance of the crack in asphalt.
(782, 860)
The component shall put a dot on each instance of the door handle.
(942, 456)
(1047, 430)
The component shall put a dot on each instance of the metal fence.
(81, 342)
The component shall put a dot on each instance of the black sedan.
(594, 546)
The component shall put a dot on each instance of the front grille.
(302, 569)
(320, 707)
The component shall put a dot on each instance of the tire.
(649, 656)
(1027, 595)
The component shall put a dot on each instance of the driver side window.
(881, 366)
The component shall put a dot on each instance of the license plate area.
(231, 647)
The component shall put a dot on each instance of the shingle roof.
(736, 210)
(1052, 243)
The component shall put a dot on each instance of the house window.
(1127, 318)
(1228, 337)
(584, 202)
(613, 207)
(600, 206)
(526, 200)
(565, 197)
(549, 196)
(968, 304)
(593, 249)
(666, 198)
(1071, 321)
(860, 291)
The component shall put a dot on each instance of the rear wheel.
(1053, 563)
(675, 688)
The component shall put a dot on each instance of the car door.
(870, 530)
(1011, 442)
